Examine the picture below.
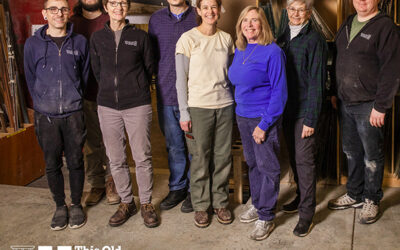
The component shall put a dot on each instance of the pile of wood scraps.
(13, 112)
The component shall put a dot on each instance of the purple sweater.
(165, 30)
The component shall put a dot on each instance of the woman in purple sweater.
(258, 74)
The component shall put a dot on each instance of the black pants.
(57, 136)
(301, 155)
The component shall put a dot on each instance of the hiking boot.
(60, 218)
(187, 204)
(291, 207)
(149, 215)
(124, 211)
(201, 219)
(249, 215)
(111, 192)
(262, 229)
(224, 216)
(77, 218)
(95, 196)
(303, 228)
(173, 198)
(343, 202)
(369, 212)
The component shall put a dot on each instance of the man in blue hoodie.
(56, 69)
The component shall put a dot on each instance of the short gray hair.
(309, 3)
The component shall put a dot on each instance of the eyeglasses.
(301, 11)
(115, 4)
(54, 10)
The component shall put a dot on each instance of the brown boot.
(111, 192)
(125, 210)
(224, 216)
(95, 196)
(149, 215)
(201, 219)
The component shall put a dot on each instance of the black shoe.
(77, 217)
(187, 204)
(291, 207)
(303, 228)
(60, 218)
(173, 198)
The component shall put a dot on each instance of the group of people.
(202, 79)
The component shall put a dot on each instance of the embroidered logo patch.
(72, 52)
(366, 36)
(131, 43)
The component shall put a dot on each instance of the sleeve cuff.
(379, 109)
(185, 116)
(263, 125)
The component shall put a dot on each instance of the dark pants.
(301, 155)
(363, 146)
(264, 168)
(57, 136)
(168, 118)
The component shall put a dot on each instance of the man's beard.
(91, 7)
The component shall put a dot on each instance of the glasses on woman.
(55, 10)
(300, 11)
(115, 4)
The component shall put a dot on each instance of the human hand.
(186, 126)
(377, 119)
(259, 135)
(307, 132)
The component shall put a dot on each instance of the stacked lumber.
(13, 111)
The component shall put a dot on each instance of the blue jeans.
(363, 146)
(264, 167)
(168, 118)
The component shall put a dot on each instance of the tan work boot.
(149, 215)
(111, 192)
(95, 196)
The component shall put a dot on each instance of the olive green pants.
(210, 143)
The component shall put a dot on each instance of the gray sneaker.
(369, 212)
(249, 215)
(77, 217)
(60, 218)
(343, 202)
(262, 229)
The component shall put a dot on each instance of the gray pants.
(95, 152)
(137, 123)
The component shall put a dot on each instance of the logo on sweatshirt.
(72, 52)
(366, 36)
(131, 43)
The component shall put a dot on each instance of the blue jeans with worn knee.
(168, 118)
(363, 146)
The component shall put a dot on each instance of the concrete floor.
(25, 214)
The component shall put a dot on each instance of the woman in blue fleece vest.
(258, 74)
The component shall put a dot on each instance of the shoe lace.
(148, 207)
(124, 207)
(369, 207)
(260, 224)
(344, 199)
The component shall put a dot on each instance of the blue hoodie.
(56, 78)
